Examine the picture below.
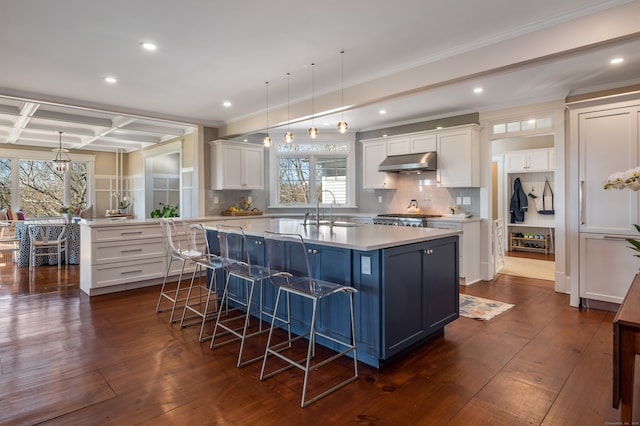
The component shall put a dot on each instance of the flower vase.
(122, 211)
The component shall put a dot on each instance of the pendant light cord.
(342, 84)
(288, 99)
(267, 90)
(313, 101)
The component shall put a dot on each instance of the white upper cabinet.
(374, 151)
(531, 160)
(236, 165)
(424, 142)
(412, 143)
(459, 157)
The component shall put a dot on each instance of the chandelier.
(62, 159)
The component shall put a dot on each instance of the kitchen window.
(306, 171)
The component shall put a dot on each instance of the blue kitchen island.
(407, 280)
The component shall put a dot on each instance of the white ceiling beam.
(73, 118)
(27, 110)
(118, 122)
(160, 129)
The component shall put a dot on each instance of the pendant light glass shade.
(342, 125)
(288, 137)
(62, 159)
(267, 140)
(313, 130)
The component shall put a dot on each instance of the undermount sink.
(338, 223)
(344, 223)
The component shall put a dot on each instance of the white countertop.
(362, 237)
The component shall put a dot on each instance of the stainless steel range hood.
(422, 162)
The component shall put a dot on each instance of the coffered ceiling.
(413, 59)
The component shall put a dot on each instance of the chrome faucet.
(330, 208)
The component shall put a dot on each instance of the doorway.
(527, 244)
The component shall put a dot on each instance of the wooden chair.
(47, 240)
(9, 244)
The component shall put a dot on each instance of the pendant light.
(313, 130)
(342, 125)
(288, 137)
(267, 140)
(62, 159)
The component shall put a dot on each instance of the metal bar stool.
(173, 251)
(200, 253)
(289, 270)
(237, 263)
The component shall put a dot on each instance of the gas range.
(404, 219)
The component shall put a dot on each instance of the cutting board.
(242, 213)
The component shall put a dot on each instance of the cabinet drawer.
(444, 225)
(119, 251)
(127, 272)
(124, 233)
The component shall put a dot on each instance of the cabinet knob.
(427, 251)
(312, 251)
(258, 243)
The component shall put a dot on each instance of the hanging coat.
(519, 203)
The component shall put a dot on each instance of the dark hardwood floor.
(69, 359)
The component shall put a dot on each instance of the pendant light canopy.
(267, 140)
(342, 125)
(62, 159)
(288, 137)
(313, 130)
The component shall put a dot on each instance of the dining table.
(24, 243)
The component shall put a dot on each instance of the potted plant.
(165, 210)
(123, 202)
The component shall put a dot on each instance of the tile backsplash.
(422, 188)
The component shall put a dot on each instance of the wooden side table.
(626, 345)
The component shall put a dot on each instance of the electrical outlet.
(466, 201)
(379, 199)
(458, 200)
(215, 200)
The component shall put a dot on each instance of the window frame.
(349, 155)
(15, 155)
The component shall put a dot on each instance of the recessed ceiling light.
(226, 104)
(615, 61)
(439, 128)
(384, 135)
(110, 80)
(478, 90)
(382, 111)
(146, 45)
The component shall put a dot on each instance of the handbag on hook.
(546, 200)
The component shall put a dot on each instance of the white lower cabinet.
(469, 247)
(607, 267)
(117, 257)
